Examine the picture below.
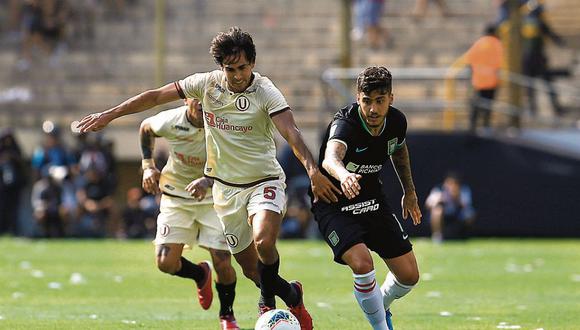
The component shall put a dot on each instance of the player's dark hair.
(375, 78)
(230, 45)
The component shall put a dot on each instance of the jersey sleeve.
(161, 123)
(192, 86)
(402, 136)
(340, 131)
(274, 101)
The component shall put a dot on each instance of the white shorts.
(234, 206)
(185, 221)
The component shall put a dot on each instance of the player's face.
(374, 107)
(238, 73)
(194, 112)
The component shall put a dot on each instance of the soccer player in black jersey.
(358, 142)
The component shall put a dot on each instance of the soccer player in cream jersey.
(186, 211)
(242, 109)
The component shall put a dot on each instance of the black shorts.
(368, 221)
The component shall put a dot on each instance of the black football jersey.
(365, 154)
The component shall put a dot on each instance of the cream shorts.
(234, 207)
(185, 221)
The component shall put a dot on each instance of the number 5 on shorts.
(270, 192)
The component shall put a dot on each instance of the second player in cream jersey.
(239, 129)
(187, 154)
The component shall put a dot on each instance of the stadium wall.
(518, 191)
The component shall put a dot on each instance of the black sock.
(226, 293)
(190, 270)
(272, 284)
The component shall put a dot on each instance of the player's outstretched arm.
(409, 202)
(322, 187)
(143, 101)
(151, 174)
(333, 164)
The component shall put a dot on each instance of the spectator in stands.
(96, 203)
(421, 8)
(52, 152)
(368, 14)
(12, 180)
(450, 209)
(535, 29)
(46, 200)
(137, 221)
(485, 57)
(44, 24)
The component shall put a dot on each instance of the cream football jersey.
(186, 152)
(239, 130)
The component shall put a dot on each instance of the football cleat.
(205, 292)
(228, 322)
(300, 310)
(262, 308)
(389, 319)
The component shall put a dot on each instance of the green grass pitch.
(478, 284)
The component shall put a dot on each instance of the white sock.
(393, 289)
(368, 296)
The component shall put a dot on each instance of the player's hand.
(198, 188)
(350, 185)
(323, 189)
(150, 181)
(95, 122)
(409, 204)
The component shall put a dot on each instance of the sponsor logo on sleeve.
(181, 128)
(332, 130)
(391, 146)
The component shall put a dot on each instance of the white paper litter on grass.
(55, 285)
(426, 277)
(77, 278)
(433, 294)
(37, 273)
(445, 313)
(506, 325)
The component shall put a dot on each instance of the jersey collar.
(252, 88)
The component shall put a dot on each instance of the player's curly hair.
(230, 45)
(375, 78)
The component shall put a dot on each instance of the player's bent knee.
(265, 245)
(361, 266)
(411, 278)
